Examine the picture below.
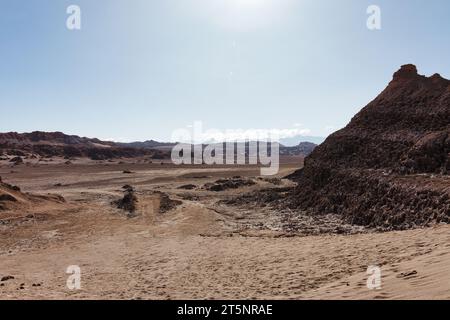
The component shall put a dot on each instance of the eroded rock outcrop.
(389, 167)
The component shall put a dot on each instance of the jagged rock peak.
(407, 71)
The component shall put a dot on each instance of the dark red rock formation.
(410, 116)
(389, 166)
(50, 144)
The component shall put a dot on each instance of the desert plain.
(184, 241)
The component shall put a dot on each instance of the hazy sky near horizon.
(141, 69)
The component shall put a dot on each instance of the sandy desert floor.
(199, 250)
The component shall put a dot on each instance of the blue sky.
(140, 69)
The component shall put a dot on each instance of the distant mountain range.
(50, 144)
(294, 141)
(149, 144)
(302, 148)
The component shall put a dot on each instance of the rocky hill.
(389, 167)
(406, 128)
(51, 144)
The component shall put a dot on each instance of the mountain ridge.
(48, 144)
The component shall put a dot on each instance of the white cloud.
(198, 135)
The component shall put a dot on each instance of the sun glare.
(249, 4)
(244, 15)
